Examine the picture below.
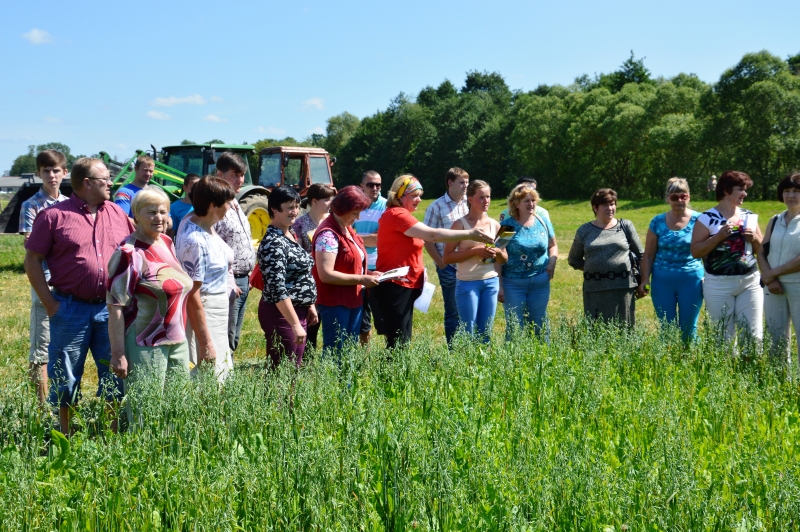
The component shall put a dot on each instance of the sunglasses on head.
(678, 197)
(373, 185)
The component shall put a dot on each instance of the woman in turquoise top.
(532, 255)
(677, 277)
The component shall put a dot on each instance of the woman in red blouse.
(400, 240)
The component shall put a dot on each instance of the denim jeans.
(75, 329)
(340, 325)
(447, 281)
(526, 302)
(678, 296)
(236, 312)
(477, 302)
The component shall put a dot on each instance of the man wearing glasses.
(77, 237)
(367, 227)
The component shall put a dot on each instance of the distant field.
(597, 430)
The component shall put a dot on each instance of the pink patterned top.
(148, 281)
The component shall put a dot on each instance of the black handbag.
(634, 257)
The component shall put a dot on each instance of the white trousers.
(215, 308)
(781, 312)
(735, 300)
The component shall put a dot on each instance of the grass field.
(597, 430)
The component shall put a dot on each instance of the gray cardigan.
(601, 251)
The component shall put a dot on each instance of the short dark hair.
(730, 179)
(369, 173)
(48, 158)
(317, 191)
(790, 181)
(603, 196)
(231, 161)
(278, 197)
(143, 159)
(81, 169)
(350, 198)
(453, 174)
(211, 190)
(527, 179)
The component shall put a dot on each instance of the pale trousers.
(735, 300)
(215, 308)
(39, 331)
(781, 311)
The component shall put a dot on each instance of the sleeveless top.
(729, 257)
(784, 245)
(474, 269)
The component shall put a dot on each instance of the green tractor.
(298, 167)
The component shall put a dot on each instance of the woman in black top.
(287, 302)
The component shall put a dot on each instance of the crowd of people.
(148, 285)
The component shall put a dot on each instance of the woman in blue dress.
(677, 277)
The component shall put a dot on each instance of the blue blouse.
(527, 251)
(674, 254)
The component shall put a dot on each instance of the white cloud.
(314, 103)
(276, 131)
(121, 146)
(194, 99)
(216, 99)
(158, 115)
(51, 120)
(37, 36)
(316, 131)
(214, 118)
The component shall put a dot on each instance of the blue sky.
(103, 76)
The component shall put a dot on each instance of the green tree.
(24, 163)
(339, 130)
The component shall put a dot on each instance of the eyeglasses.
(372, 185)
(106, 179)
(678, 197)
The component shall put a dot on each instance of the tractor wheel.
(255, 208)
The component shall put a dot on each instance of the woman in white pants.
(780, 269)
(727, 239)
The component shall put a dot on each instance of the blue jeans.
(447, 281)
(526, 302)
(678, 296)
(477, 302)
(236, 312)
(75, 329)
(340, 325)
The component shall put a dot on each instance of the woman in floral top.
(148, 295)
(287, 302)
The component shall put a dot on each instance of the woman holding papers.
(477, 283)
(780, 269)
(532, 254)
(726, 237)
(340, 270)
(400, 240)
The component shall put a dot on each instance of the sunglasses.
(373, 185)
(678, 197)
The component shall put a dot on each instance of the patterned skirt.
(611, 305)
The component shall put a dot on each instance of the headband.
(410, 184)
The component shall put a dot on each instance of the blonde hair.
(675, 185)
(518, 193)
(392, 200)
(148, 197)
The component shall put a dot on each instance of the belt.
(608, 275)
(240, 275)
(96, 301)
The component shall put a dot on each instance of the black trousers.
(397, 306)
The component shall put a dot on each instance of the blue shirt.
(124, 197)
(673, 254)
(527, 251)
(177, 211)
(367, 224)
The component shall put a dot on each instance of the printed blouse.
(328, 243)
(730, 257)
(304, 228)
(148, 281)
(205, 257)
(286, 268)
(673, 253)
(527, 251)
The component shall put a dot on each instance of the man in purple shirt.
(77, 237)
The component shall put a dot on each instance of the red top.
(77, 247)
(348, 260)
(395, 249)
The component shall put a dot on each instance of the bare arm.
(430, 247)
(327, 273)
(552, 251)
(116, 335)
(648, 257)
(702, 241)
(370, 240)
(33, 267)
(423, 232)
(197, 317)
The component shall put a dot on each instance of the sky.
(120, 76)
